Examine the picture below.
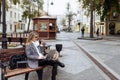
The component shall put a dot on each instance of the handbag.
(53, 54)
(17, 61)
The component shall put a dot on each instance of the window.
(10, 26)
(18, 16)
(19, 26)
(35, 27)
(15, 15)
(22, 26)
(11, 14)
(43, 26)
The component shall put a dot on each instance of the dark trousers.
(44, 62)
(39, 73)
(82, 33)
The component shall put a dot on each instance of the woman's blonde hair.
(31, 36)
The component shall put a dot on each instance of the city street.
(89, 32)
(78, 66)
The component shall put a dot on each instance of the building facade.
(113, 23)
(14, 21)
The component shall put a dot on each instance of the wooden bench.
(15, 39)
(5, 55)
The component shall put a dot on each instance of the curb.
(87, 38)
(110, 73)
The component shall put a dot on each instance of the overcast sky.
(59, 6)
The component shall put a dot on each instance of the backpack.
(15, 59)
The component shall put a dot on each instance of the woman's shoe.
(61, 64)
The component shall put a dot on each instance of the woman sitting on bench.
(36, 57)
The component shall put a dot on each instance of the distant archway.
(112, 28)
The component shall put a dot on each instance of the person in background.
(97, 32)
(82, 31)
(35, 56)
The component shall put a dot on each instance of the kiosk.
(45, 26)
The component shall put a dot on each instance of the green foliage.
(102, 7)
(16, 1)
(108, 6)
(7, 6)
(29, 8)
(40, 3)
(27, 5)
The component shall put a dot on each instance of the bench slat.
(6, 53)
(19, 71)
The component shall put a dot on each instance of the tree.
(7, 6)
(107, 6)
(90, 6)
(69, 16)
(40, 5)
(102, 7)
(63, 23)
(30, 10)
(15, 1)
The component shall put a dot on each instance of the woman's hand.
(43, 42)
(41, 57)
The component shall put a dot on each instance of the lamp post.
(4, 39)
(48, 6)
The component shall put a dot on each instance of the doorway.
(112, 28)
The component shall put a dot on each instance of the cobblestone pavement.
(77, 65)
(106, 51)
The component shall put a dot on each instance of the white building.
(82, 13)
(14, 21)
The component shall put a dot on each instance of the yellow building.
(102, 28)
(113, 23)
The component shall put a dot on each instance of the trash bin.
(58, 48)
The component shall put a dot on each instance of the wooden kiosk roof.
(44, 17)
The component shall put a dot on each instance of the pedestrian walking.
(82, 31)
(97, 32)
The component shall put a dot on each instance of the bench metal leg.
(54, 72)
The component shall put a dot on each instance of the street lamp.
(4, 39)
(48, 6)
